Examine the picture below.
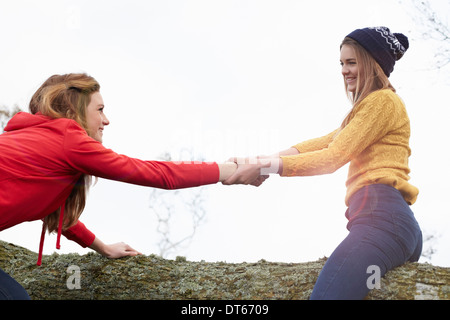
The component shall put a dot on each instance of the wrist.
(226, 170)
(99, 247)
(271, 166)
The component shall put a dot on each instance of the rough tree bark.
(152, 277)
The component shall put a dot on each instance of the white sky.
(225, 78)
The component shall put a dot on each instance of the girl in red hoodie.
(48, 157)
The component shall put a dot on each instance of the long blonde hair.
(371, 77)
(67, 96)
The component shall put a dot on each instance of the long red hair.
(67, 96)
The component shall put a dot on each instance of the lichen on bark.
(152, 277)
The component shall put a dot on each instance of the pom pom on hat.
(385, 47)
(404, 42)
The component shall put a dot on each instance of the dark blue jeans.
(10, 289)
(383, 235)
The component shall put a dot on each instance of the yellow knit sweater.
(375, 142)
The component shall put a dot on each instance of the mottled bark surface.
(152, 277)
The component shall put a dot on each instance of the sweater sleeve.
(316, 143)
(86, 155)
(80, 234)
(372, 119)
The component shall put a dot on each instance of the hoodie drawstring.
(41, 244)
(58, 236)
(61, 218)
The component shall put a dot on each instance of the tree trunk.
(91, 276)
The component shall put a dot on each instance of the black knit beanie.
(385, 47)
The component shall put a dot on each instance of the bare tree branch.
(433, 26)
(6, 114)
(172, 207)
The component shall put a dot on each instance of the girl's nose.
(105, 120)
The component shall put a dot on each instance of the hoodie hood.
(25, 120)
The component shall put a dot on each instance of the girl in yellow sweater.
(374, 138)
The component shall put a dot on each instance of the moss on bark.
(152, 277)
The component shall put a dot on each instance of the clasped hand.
(252, 171)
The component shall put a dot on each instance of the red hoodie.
(42, 158)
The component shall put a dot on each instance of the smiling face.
(350, 69)
(95, 118)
